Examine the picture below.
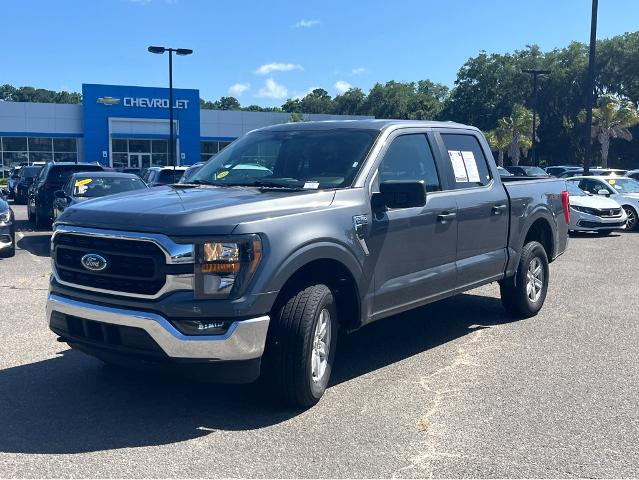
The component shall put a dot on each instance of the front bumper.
(581, 221)
(6, 235)
(244, 339)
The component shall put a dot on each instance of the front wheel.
(526, 297)
(631, 223)
(301, 345)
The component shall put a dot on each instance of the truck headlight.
(224, 268)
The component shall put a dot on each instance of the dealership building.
(124, 126)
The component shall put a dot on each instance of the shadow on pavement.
(36, 243)
(73, 403)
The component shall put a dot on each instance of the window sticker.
(222, 174)
(471, 166)
(612, 181)
(458, 165)
(85, 181)
(311, 185)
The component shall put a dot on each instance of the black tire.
(516, 298)
(288, 363)
(633, 221)
(41, 223)
(29, 214)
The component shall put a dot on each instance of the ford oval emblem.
(94, 262)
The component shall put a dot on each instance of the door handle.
(446, 216)
(497, 209)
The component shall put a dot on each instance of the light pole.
(178, 51)
(535, 73)
(590, 86)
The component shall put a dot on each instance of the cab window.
(409, 157)
(467, 159)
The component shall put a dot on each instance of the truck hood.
(191, 211)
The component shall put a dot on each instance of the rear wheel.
(301, 346)
(631, 224)
(29, 207)
(526, 297)
(41, 222)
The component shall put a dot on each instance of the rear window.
(30, 172)
(62, 173)
(168, 176)
(467, 159)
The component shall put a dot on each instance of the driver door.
(413, 249)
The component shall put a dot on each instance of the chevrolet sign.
(108, 100)
(153, 103)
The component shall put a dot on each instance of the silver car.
(593, 212)
(623, 190)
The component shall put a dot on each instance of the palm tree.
(517, 127)
(611, 119)
(499, 141)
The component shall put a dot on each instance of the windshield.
(574, 190)
(624, 185)
(101, 186)
(294, 158)
(30, 172)
(535, 171)
(62, 173)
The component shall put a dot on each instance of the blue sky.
(266, 51)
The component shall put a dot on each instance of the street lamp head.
(183, 51)
(157, 49)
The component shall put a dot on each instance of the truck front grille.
(132, 266)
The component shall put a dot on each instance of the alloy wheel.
(321, 346)
(632, 218)
(534, 279)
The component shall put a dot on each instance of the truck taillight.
(565, 203)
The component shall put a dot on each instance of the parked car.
(25, 180)
(557, 170)
(87, 185)
(624, 190)
(503, 172)
(51, 178)
(135, 171)
(190, 171)
(526, 171)
(593, 171)
(14, 174)
(157, 176)
(594, 213)
(7, 230)
(357, 221)
(633, 174)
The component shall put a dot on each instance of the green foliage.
(10, 93)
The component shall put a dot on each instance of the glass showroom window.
(208, 149)
(66, 150)
(13, 151)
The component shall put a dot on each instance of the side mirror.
(604, 192)
(402, 194)
(60, 194)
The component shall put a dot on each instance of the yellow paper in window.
(612, 181)
(222, 174)
(84, 181)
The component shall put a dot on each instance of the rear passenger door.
(413, 249)
(482, 210)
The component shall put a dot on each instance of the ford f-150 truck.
(291, 233)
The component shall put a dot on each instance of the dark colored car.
(557, 170)
(133, 170)
(190, 171)
(7, 230)
(633, 174)
(14, 174)
(41, 194)
(527, 171)
(334, 225)
(26, 178)
(86, 185)
(157, 176)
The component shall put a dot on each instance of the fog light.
(202, 326)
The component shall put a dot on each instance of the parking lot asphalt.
(454, 389)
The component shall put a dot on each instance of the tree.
(317, 101)
(517, 127)
(228, 103)
(349, 102)
(612, 118)
(499, 141)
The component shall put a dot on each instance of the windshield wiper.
(203, 182)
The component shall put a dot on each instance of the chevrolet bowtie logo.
(108, 100)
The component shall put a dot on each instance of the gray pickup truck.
(292, 233)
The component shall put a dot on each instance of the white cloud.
(306, 23)
(277, 67)
(342, 86)
(272, 89)
(299, 96)
(359, 71)
(237, 89)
